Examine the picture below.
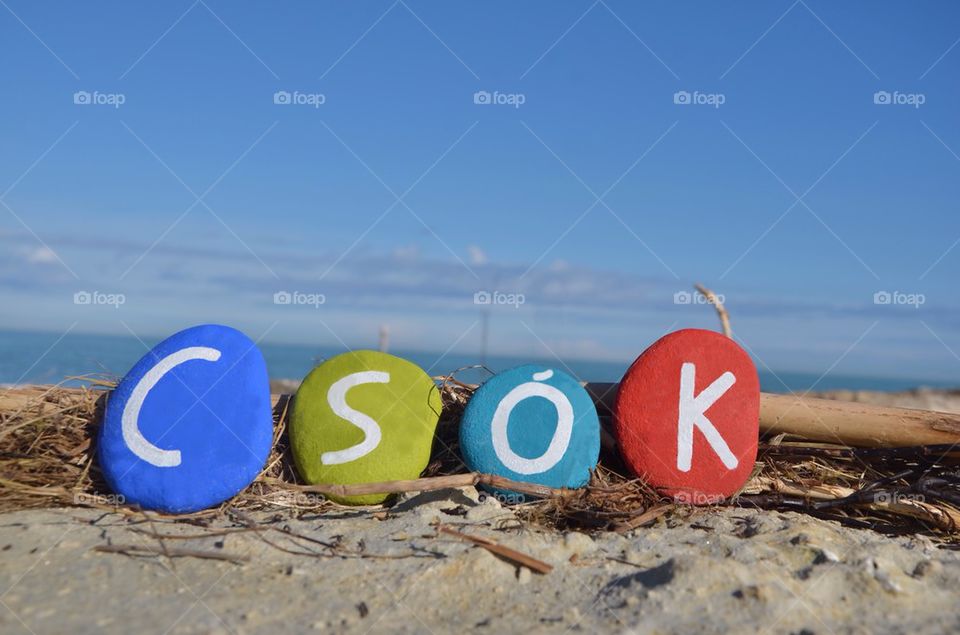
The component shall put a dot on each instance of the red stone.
(648, 408)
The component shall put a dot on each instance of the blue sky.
(584, 185)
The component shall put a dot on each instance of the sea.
(50, 358)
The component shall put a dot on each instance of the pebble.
(927, 567)
(687, 414)
(524, 575)
(578, 543)
(489, 509)
(363, 417)
(534, 424)
(190, 425)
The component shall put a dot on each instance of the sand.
(709, 571)
(717, 571)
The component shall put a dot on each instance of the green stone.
(363, 417)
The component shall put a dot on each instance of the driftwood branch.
(856, 424)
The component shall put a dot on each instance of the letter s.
(337, 398)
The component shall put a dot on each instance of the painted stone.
(364, 417)
(190, 425)
(687, 414)
(534, 424)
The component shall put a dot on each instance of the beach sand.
(707, 570)
(714, 572)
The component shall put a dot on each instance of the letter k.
(691, 413)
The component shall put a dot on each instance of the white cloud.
(407, 252)
(478, 256)
(42, 256)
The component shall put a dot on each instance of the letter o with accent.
(532, 424)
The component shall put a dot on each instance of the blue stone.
(191, 424)
(534, 424)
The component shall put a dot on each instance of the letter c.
(129, 423)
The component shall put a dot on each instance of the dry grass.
(46, 460)
(47, 436)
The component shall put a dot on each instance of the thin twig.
(171, 552)
(517, 557)
(718, 305)
(645, 518)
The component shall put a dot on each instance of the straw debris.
(47, 450)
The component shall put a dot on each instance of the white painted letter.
(337, 398)
(129, 422)
(561, 437)
(692, 411)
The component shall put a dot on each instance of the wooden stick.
(843, 422)
(517, 557)
(846, 423)
(856, 424)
